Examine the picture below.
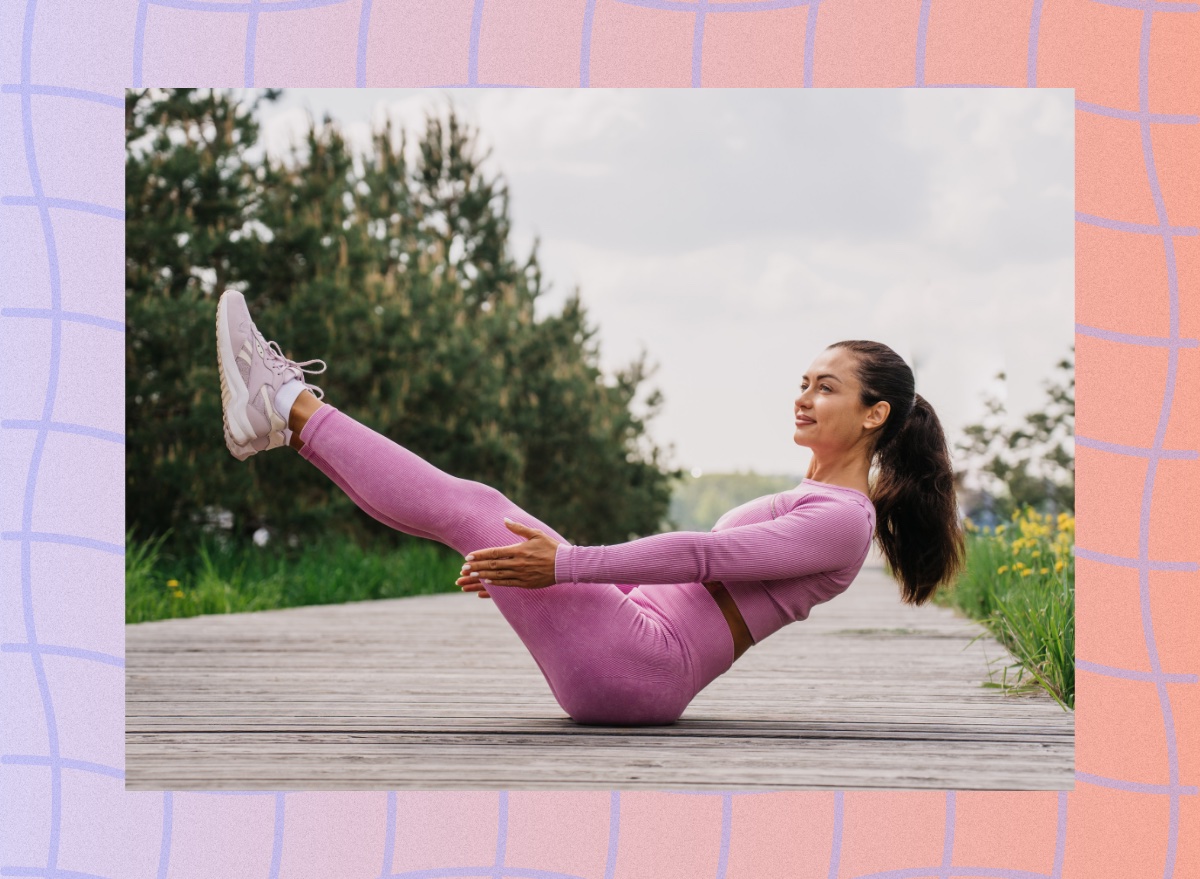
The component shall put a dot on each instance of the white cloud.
(537, 123)
(734, 234)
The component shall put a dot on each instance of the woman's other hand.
(473, 584)
(528, 565)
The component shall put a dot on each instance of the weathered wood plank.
(436, 692)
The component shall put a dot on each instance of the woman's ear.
(877, 415)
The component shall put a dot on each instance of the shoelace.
(298, 368)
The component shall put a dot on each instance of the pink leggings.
(625, 655)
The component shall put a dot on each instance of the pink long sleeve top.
(778, 555)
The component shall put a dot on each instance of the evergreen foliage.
(400, 275)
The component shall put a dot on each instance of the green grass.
(219, 578)
(1032, 615)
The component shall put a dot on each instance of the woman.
(638, 654)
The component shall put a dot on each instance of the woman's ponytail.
(916, 511)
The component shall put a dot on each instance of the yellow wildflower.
(1026, 572)
(178, 594)
(1001, 569)
(968, 524)
(1036, 553)
(1044, 571)
(1000, 528)
(172, 584)
(1058, 566)
(1030, 528)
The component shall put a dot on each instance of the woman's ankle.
(306, 404)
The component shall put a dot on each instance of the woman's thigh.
(609, 653)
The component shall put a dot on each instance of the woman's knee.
(475, 520)
(482, 496)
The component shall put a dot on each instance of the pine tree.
(400, 275)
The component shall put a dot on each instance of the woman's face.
(830, 418)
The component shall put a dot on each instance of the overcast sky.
(733, 234)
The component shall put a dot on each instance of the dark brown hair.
(916, 512)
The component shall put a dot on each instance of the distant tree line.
(400, 275)
(699, 501)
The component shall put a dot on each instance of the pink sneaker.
(252, 372)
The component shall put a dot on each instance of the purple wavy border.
(42, 428)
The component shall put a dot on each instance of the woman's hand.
(529, 564)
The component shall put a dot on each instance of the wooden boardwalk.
(436, 692)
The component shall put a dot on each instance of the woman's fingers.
(475, 583)
(493, 570)
(512, 579)
(518, 528)
(494, 552)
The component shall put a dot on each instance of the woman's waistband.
(742, 640)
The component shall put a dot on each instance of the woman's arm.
(821, 534)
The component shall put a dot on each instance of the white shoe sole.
(234, 393)
(243, 452)
(240, 452)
